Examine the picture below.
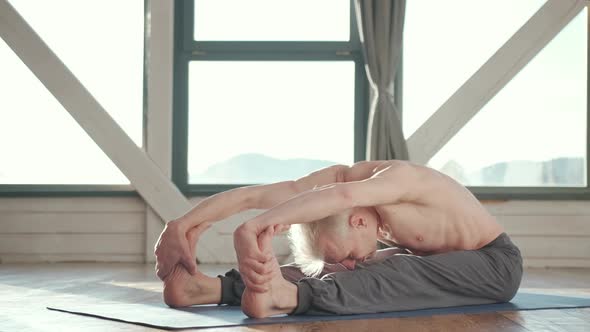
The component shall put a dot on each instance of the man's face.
(357, 245)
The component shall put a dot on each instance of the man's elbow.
(340, 173)
(247, 197)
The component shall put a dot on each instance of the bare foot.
(280, 299)
(181, 289)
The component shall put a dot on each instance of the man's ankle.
(212, 292)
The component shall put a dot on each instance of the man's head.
(347, 238)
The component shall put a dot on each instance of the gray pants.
(404, 282)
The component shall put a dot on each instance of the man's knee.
(506, 273)
(512, 285)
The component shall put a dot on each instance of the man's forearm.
(305, 207)
(219, 206)
(228, 203)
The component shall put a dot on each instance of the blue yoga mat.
(160, 316)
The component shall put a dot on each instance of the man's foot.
(280, 299)
(181, 289)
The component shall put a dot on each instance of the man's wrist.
(180, 223)
(247, 227)
(259, 225)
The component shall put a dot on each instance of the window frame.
(187, 50)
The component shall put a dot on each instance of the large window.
(532, 136)
(40, 144)
(266, 91)
(277, 123)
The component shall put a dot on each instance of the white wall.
(72, 229)
(549, 233)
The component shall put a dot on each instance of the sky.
(287, 110)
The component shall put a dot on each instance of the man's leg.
(401, 282)
(232, 286)
(182, 289)
(405, 282)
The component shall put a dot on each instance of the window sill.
(25, 190)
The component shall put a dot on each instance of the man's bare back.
(436, 215)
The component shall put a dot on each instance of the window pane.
(533, 133)
(272, 20)
(260, 122)
(40, 142)
(438, 61)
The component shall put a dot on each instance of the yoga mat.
(160, 316)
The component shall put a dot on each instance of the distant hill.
(255, 168)
(454, 170)
(559, 171)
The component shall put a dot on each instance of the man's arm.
(389, 184)
(268, 196)
(172, 246)
(228, 203)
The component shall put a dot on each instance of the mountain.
(255, 168)
(454, 170)
(557, 172)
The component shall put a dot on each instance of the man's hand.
(254, 262)
(174, 247)
(271, 266)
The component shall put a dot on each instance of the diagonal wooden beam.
(159, 79)
(157, 190)
(493, 75)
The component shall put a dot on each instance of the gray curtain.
(381, 25)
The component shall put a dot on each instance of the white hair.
(305, 241)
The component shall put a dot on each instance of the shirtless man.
(460, 255)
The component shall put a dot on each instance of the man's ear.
(357, 221)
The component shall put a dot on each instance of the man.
(459, 253)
